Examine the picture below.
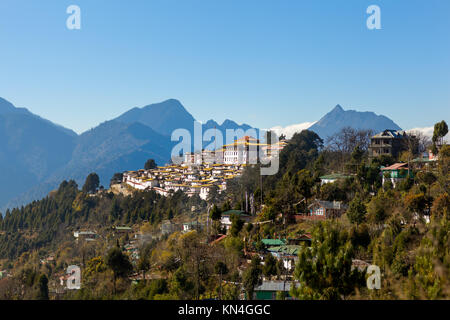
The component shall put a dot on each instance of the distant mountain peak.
(211, 123)
(337, 108)
(163, 117)
(339, 118)
(228, 122)
(169, 103)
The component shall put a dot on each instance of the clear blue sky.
(262, 62)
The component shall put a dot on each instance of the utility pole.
(261, 186)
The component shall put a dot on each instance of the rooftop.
(274, 286)
(329, 204)
(286, 249)
(334, 176)
(273, 242)
(238, 212)
(396, 166)
(389, 133)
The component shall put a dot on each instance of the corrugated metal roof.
(329, 204)
(396, 166)
(273, 242)
(274, 286)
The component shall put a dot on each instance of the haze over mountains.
(36, 155)
(338, 118)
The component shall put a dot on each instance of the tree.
(430, 273)
(270, 265)
(325, 269)
(416, 202)
(347, 139)
(441, 205)
(303, 183)
(213, 195)
(332, 191)
(301, 149)
(427, 178)
(43, 288)
(379, 207)
(236, 225)
(143, 265)
(252, 277)
(220, 269)
(384, 160)
(116, 178)
(216, 213)
(195, 254)
(170, 214)
(181, 284)
(226, 206)
(150, 164)
(92, 183)
(440, 131)
(119, 263)
(356, 212)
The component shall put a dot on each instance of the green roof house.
(396, 173)
(330, 178)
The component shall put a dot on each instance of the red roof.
(218, 239)
(396, 166)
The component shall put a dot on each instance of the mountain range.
(36, 154)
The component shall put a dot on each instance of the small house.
(331, 178)
(396, 173)
(327, 209)
(85, 235)
(226, 217)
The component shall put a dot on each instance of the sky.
(266, 63)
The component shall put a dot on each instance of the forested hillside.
(403, 229)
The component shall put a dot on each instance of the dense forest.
(403, 229)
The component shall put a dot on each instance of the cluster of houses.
(392, 143)
(192, 180)
(201, 171)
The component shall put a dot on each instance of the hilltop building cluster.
(201, 171)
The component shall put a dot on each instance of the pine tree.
(325, 269)
(43, 288)
(356, 212)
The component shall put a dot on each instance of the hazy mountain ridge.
(37, 154)
(30, 149)
(124, 143)
(163, 117)
(339, 118)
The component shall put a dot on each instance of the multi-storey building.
(392, 142)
